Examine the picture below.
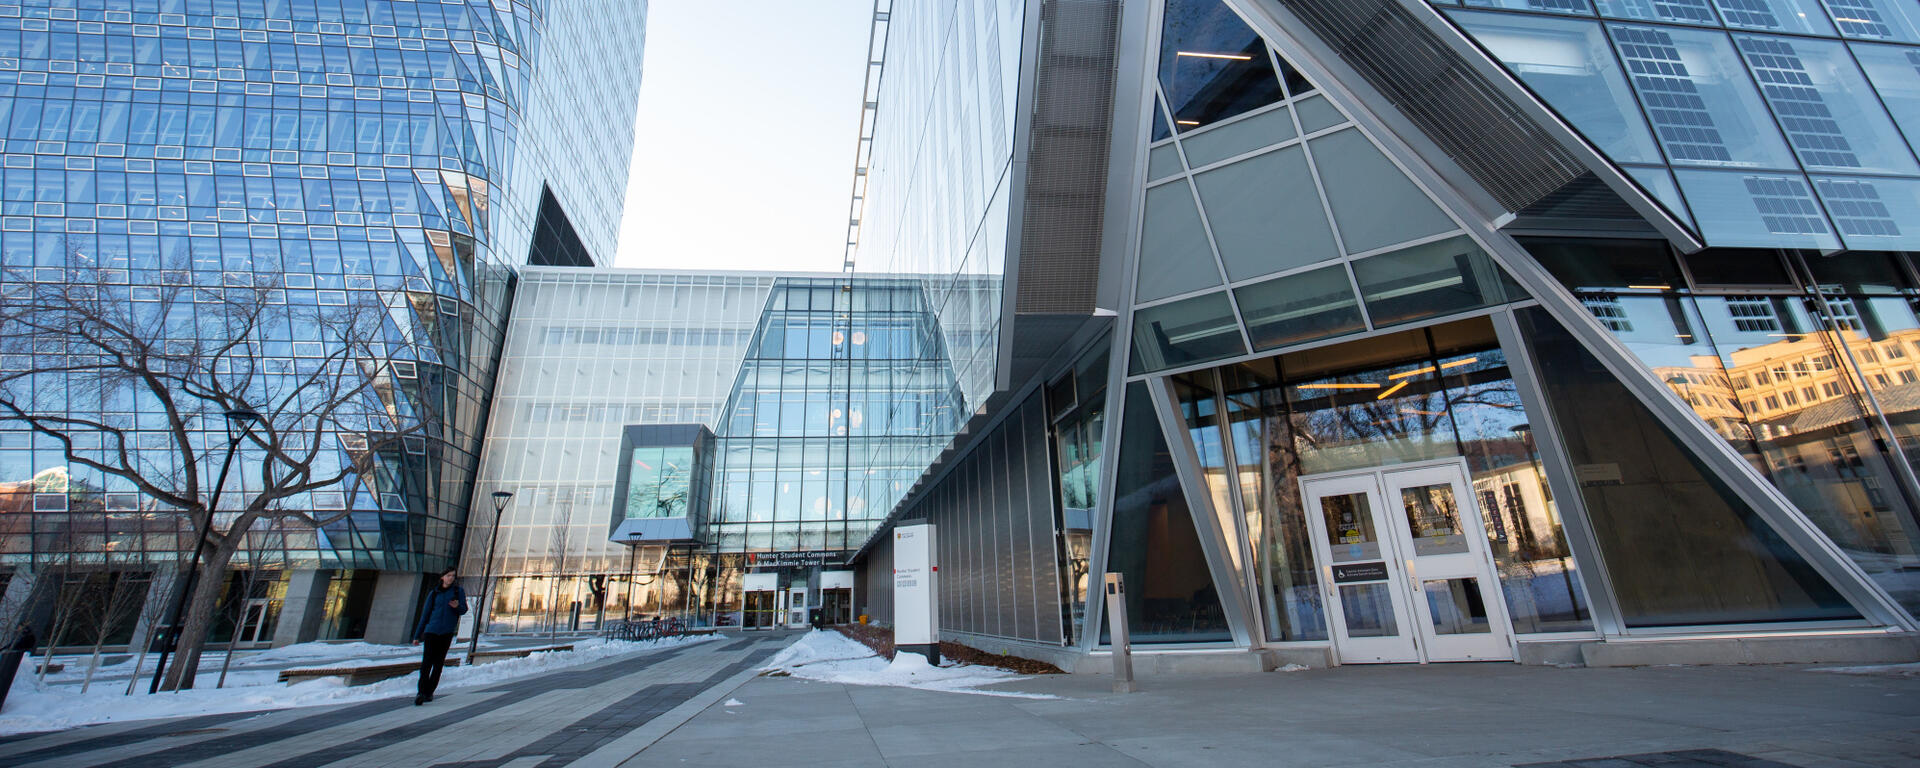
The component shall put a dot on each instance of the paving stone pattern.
(546, 720)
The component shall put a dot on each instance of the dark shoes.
(419, 700)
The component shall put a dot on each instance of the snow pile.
(33, 706)
(831, 657)
(1888, 670)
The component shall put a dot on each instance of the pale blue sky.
(743, 157)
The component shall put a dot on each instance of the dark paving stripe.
(594, 731)
(294, 728)
(1686, 758)
(121, 739)
(513, 693)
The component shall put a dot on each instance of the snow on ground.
(33, 706)
(831, 657)
(1890, 670)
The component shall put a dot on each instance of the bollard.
(1117, 627)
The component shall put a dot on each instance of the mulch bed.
(881, 641)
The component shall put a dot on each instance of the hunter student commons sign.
(796, 559)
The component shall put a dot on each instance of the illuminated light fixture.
(1414, 372)
(1339, 386)
(1390, 390)
(1227, 56)
(859, 337)
(1186, 122)
(839, 338)
(1457, 363)
(1651, 287)
(1418, 412)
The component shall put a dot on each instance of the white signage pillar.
(916, 615)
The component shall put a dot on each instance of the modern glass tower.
(1420, 331)
(410, 155)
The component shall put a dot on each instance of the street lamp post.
(246, 419)
(500, 500)
(633, 551)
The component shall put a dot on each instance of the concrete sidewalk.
(1435, 716)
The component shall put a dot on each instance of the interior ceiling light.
(1651, 287)
(1357, 385)
(1390, 390)
(1227, 56)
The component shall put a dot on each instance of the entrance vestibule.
(1405, 566)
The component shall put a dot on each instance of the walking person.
(439, 620)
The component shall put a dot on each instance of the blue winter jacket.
(439, 618)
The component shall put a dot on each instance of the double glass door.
(1404, 561)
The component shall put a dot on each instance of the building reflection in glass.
(1797, 382)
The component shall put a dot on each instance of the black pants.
(433, 657)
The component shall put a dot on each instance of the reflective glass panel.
(1800, 16)
(1187, 331)
(1437, 278)
(1174, 255)
(1265, 214)
(1680, 547)
(1350, 530)
(1317, 114)
(1244, 135)
(1368, 610)
(1568, 64)
(1677, 11)
(1374, 204)
(1372, 416)
(1163, 161)
(1433, 518)
(1756, 210)
(1875, 19)
(1895, 74)
(1299, 308)
(1659, 183)
(1270, 490)
(1576, 7)
(1212, 65)
(1873, 214)
(1154, 546)
(1697, 94)
(1831, 117)
(1524, 533)
(1456, 607)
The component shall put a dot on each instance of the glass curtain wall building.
(1439, 331)
(589, 352)
(385, 154)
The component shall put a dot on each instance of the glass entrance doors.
(760, 610)
(1403, 558)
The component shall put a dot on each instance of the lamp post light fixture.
(246, 419)
(480, 617)
(633, 551)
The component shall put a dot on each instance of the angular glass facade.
(1360, 412)
(1780, 123)
(384, 154)
(843, 399)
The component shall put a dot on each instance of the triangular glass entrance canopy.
(1765, 123)
(1269, 219)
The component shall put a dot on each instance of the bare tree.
(264, 564)
(112, 598)
(161, 591)
(137, 382)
